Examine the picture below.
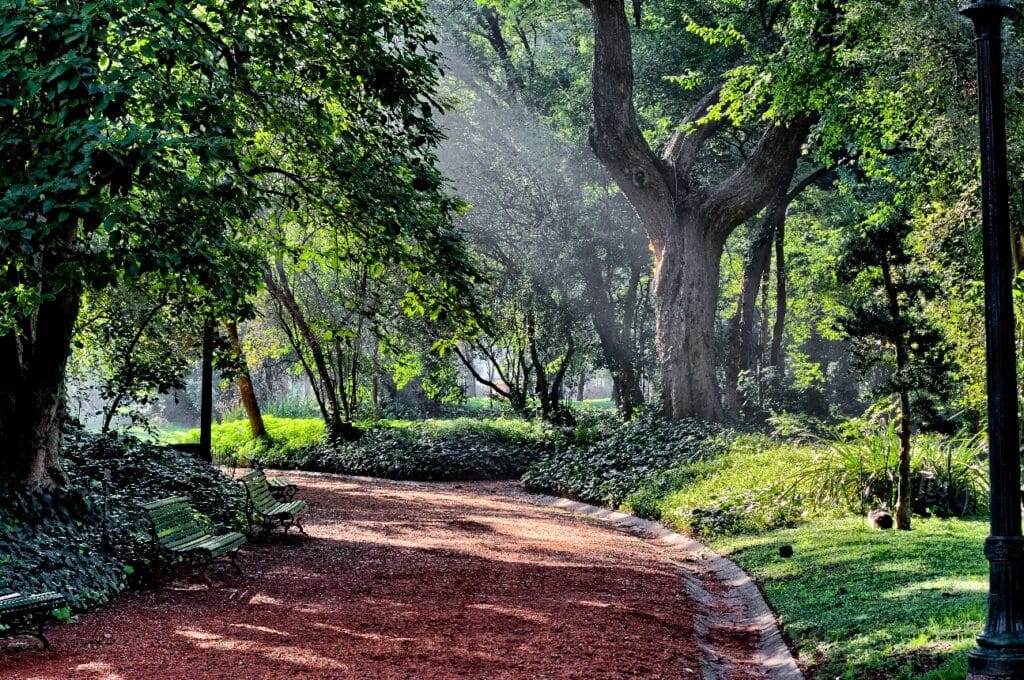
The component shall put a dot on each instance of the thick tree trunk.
(686, 290)
(33, 362)
(686, 224)
(245, 387)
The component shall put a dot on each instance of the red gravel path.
(401, 581)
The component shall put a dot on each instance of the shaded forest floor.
(401, 580)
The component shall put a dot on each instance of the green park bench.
(282, 488)
(264, 510)
(177, 531)
(25, 614)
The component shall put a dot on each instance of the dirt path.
(404, 581)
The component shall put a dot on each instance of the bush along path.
(403, 580)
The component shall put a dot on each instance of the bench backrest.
(173, 521)
(256, 486)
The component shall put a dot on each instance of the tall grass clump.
(856, 469)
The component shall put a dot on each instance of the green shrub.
(609, 466)
(464, 448)
(231, 442)
(53, 541)
(88, 548)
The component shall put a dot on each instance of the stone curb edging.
(773, 656)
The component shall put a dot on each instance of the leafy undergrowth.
(867, 604)
(856, 602)
(608, 464)
(88, 548)
(460, 448)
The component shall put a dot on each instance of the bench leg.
(204, 574)
(231, 558)
(42, 638)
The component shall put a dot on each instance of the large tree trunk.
(687, 224)
(686, 291)
(33, 361)
(245, 388)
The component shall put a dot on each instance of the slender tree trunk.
(206, 396)
(375, 379)
(581, 386)
(616, 338)
(779, 328)
(903, 491)
(245, 387)
(741, 348)
(281, 291)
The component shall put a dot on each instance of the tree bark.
(740, 350)
(245, 387)
(281, 291)
(686, 224)
(903, 491)
(616, 338)
(206, 395)
(781, 300)
(33, 363)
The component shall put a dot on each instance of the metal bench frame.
(264, 511)
(24, 615)
(174, 529)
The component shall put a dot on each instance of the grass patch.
(861, 603)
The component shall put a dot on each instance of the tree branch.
(615, 134)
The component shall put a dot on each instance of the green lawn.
(863, 603)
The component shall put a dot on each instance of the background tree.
(542, 210)
(147, 137)
(889, 330)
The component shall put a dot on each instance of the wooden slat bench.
(282, 488)
(25, 614)
(267, 512)
(176, 529)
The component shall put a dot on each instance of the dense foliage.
(433, 450)
(90, 543)
(610, 463)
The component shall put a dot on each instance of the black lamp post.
(999, 654)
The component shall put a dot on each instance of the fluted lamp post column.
(999, 654)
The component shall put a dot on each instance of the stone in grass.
(785, 550)
(879, 519)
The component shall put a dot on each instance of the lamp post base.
(986, 663)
